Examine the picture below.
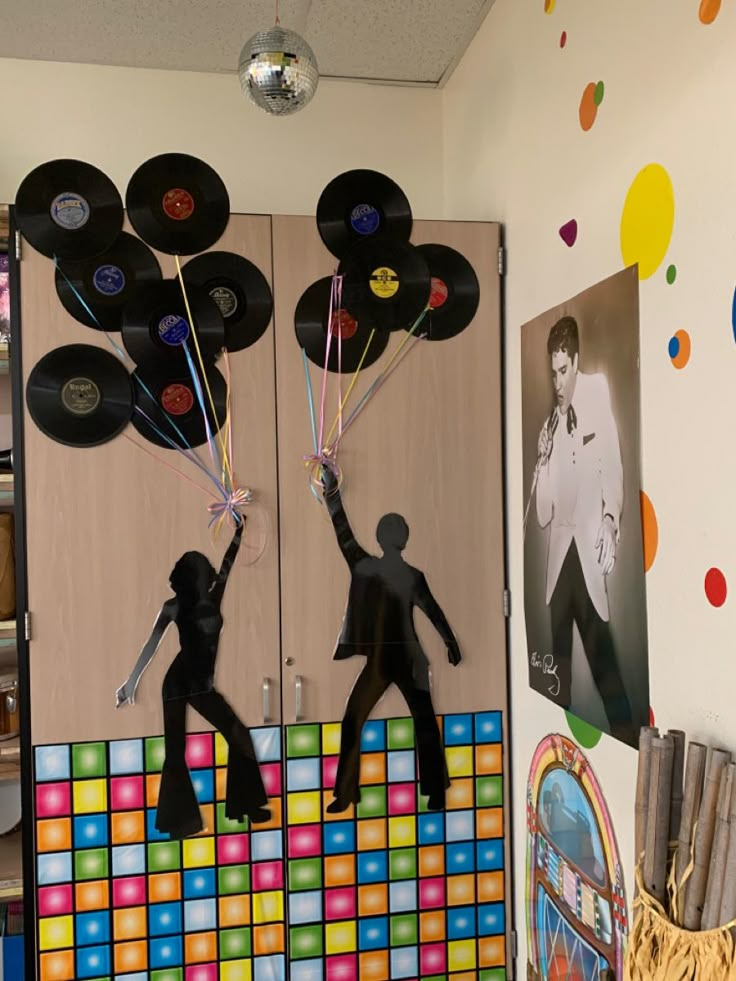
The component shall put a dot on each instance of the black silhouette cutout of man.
(195, 609)
(379, 624)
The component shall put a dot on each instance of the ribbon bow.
(231, 506)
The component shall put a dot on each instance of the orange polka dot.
(649, 530)
(588, 109)
(709, 10)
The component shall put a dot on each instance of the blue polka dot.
(674, 347)
(733, 315)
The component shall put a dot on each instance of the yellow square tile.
(460, 794)
(268, 907)
(402, 832)
(198, 852)
(55, 932)
(331, 739)
(304, 808)
(372, 834)
(236, 970)
(220, 750)
(90, 796)
(341, 938)
(459, 761)
(461, 955)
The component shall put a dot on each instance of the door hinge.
(514, 945)
(27, 625)
(501, 261)
(507, 603)
(18, 245)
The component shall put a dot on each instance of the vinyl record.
(177, 204)
(106, 283)
(173, 399)
(361, 204)
(155, 326)
(455, 292)
(239, 289)
(69, 209)
(387, 283)
(80, 395)
(311, 320)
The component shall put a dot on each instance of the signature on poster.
(548, 666)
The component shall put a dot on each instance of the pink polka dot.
(563, 39)
(651, 716)
(715, 587)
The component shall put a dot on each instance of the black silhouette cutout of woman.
(195, 609)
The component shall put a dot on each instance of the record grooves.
(311, 320)
(362, 204)
(455, 292)
(173, 398)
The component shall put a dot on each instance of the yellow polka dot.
(647, 219)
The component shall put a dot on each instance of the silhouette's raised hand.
(453, 654)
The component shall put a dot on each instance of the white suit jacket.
(581, 482)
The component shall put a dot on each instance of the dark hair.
(192, 574)
(392, 532)
(564, 337)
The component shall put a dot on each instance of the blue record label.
(109, 280)
(69, 211)
(173, 329)
(365, 219)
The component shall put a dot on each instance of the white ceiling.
(406, 41)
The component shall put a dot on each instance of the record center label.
(177, 399)
(365, 219)
(438, 293)
(109, 280)
(178, 204)
(69, 211)
(173, 329)
(80, 396)
(384, 282)
(343, 325)
(225, 299)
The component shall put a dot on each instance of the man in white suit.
(580, 496)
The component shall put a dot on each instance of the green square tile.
(493, 974)
(305, 941)
(400, 734)
(437, 977)
(233, 879)
(404, 930)
(155, 753)
(89, 760)
(305, 873)
(91, 863)
(302, 741)
(234, 943)
(164, 856)
(402, 863)
(372, 802)
(489, 791)
(422, 802)
(168, 974)
(226, 825)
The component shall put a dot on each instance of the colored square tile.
(126, 793)
(268, 939)
(459, 826)
(404, 962)
(199, 750)
(490, 855)
(490, 823)
(489, 759)
(235, 944)
(431, 893)
(490, 887)
(372, 834)
(460, 891)
(90, 796)
(90, 831)
(305, 907)
(403, 896)
(201, 972)
(372, 802)
(164, 888)
(432, 927)
(341, 938)
(53, 868)
(58, 966)
(492, 974)
(402, 832)
(54, 835)
(459, 761)
(489, 791)
(460, 794)
(431, 828)
(128, 860)
(128, 827)
(432, 959)
(331, 732)
(221, 750)
(340, 904)
(52, 763)
(342, 967)
(55, 900)
(458, 730)
(266, 846)
(271, 968)
(275, 807)
(155, 753)
(461, 923)
(200, 947)
(302, 741)
(431, 861)
(271, 776)
(92, 962)
(305, 841)
(126, 756)
(92, 895)
(339, 870)
(303, 774)
(166, 952)
(373, 736)
(89, 760)
(168, 974)
(374, 966)
(226, 825)
(198, 852)
(203, 782)
(372, 768)
(56, 932)
(234, 911)
(460, 858)
(129, 892)
(92, 928)
(305, 941)
(400, 734)
(373, 933)
(372, 867)
(373, 900)
(268, 907)
(240, 970)
(267, 744)
(304, 808)
(307, 970)
(131, 956)
(492, 953)
(347, 815)
(231, 850)
(401, 766)
(164, 919)
(404, 930)
(401, 798)
(53, 800)
(267, 876)
(339, 837)
(304, 874)
(130, 924)
(329, 771)
(199, 915)
(491, 920)
(233, 879)
(92, 863)
(461, 955)
(488, 727)
(153, 786)
(403, 863)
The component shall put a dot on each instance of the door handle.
(266, 700)
(298, 685)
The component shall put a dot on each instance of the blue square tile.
(373, 737)
(266, 846)
(200, 914)
(373, 932)
(458, 730)
(92, 962)
(52, 763)
(305, 907)
(491, 920)
(152, 832)
(54, 867)
(90, 831)
(372, 867)
(405, 962)
(203, 782)
(401, 766)
(92, 928)
(129, 860)
(311, 970)
(303, 774)
(165, 952)
(460, 858)
(459, 826)
(431, 828)
(164, 918)
(488, 727)
(339, 837)
(136, 976)
(271, 968)
(267, 744)
(126, 756)
(403, 896)
(461, 923)
(199, 883)
(490, 855)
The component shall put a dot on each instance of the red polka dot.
(563, 39)
(715, 587)
(651, 716)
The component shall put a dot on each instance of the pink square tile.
(431, 893)
(129, 892)
(342, 968)
(271, 775)
(53, 800)
(267, 876)
(55, 900)
(433, 958)
(232, 849)
(126, 794)
(402, 798)
(340, 904)
(199, 750)
(201, 972)
(305, 841)
(329, 771)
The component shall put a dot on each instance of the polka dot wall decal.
(709, 10)
(563, 39)
(716, 589)
(651, 716)
(583, 732)
(588, 109)
(679, 348)
(569, 232)
(599, 92)
(647, 219)
(733, 315)
(671, 274)
(549, 6)
(649, 530)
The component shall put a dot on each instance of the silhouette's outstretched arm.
(218, 587)
(429, 605)
(349, 547)
(125, 695)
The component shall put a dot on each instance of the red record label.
(178, 204)
(177, 399)
(439, 293)
(343, 325)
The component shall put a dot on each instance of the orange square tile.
(491, 952)
(489, 822)
(432, 926)
(372, 834)
(269, 939)
(275, 807)
(432, 860)
(164, 888)
(131, 957)
(339, 870)
(372, 768)
(465, 976)
(153, 785)
(130, 924)
(440, 723)
(234, 911)
(461, 890)
(460, 794)
(128, 827)
(220, 783)
(489, 759)
(92, 895)
(58, 966)
(208, 820)
(54, 835)
(490, 887)
(200, 947)
(327, 799)
(374, 965)
(373, 900)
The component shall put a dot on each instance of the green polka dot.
(584, 733)
(599, 93)
(671, 274)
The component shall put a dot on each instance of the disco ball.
(278, 70)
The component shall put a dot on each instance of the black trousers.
(178, 810)
(393, 664)
(571, 603)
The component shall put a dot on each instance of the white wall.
(515, 151)
(118, 117)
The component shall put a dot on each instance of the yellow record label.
(384, 282)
